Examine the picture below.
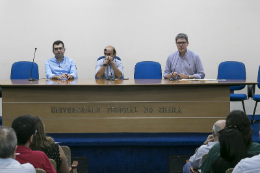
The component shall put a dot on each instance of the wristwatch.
(104, 64)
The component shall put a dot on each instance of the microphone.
(171, 79)
(31, 78)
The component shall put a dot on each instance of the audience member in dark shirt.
(48, 146)
(232, 150)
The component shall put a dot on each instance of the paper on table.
(202, 79)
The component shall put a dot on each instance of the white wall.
(218, 30)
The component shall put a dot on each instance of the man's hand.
(68, 76)
(173, 74)
(106, 60)
(193, 170)
(183, 76)
(210, 138)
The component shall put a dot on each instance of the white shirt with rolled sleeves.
(248, 165)
(109, 71)
(190, 64)
(196, 159)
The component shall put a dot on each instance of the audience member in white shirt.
(196, 160)
(8, 164)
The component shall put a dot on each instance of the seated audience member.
(24, 126)
(240, 120)
(232, 150)
(248, 165)
(47, 145)
(195, 161)
(8, 163)
(109, 67)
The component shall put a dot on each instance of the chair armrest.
(250, 91)
(73, 168)
(74, 164)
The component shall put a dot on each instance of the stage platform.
(133, 152)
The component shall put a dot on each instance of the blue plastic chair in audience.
(233, 70)
(102, 57)
(148, 70)
(256, 97)
(22, 70)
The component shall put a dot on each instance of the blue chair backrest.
(148, 70)
(232, 70)
(116, 57)
(258, 78)
(22, 70)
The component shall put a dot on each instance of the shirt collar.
(185, 54)
(61, 60)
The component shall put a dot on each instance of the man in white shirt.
(248, 165)
(195, 161)
(8, 164)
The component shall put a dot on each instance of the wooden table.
(100, 106)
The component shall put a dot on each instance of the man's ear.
(213, 133)
(14, 154)
(31, 139)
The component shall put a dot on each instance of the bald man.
(196, 159)
(109, 66)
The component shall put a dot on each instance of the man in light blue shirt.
(183, 64)
(8, 164)
(195, 161)
(109, 66)
(60, 67)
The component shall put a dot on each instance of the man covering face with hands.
(109, 66)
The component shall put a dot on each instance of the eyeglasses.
(58, 48)
(181, 43)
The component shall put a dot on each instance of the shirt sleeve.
(120, 66)
(73, 69)
(212, 155)
(199, 69)
(99, 64)
(196, 159)
(167, 69)
(48, 72)
(47, 165)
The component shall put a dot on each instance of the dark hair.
(24, 127)
(57, 43)
(40, 141)
(8, 142)
(232, 148)
(114, 51)
(181, 35)
(240, 120)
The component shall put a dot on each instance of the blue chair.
(116, 57)
(256, 97)
(148, 70)
(22, 70)
(233, 70)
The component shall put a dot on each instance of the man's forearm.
(101, 72)
(117, 72)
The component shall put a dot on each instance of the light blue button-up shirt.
(53, 67)
(190, 64)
